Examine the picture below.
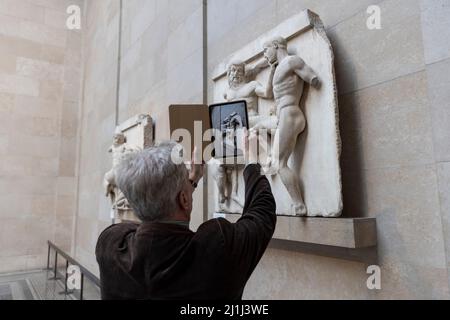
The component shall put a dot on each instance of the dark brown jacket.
(166, 261)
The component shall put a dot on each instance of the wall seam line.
(81, 105)
(383, 82)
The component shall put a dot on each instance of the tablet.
(228, 120)
(188, 125)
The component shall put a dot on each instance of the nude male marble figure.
(226, 183)
(288, 83)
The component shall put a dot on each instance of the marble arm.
(251, 73)
(305, 72)
(266, 92)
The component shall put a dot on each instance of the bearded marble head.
(236, 73)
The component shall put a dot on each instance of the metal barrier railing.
(69, 260)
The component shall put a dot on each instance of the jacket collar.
(171, 226)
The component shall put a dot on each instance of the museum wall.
(39, 103)
(100, 47)
(161, 63)
(393, 97)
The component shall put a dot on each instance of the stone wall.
(100, 47)
(39, 103)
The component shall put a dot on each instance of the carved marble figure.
(119, 150)
(287, 77)
(288, 83)
(226, 182)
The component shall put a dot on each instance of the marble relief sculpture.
(131, 136)
(119, 150)
(285, 84)
(298, 102)
(240, 87)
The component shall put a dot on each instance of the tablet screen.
(228, 120)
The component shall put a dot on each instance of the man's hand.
(197, 166)
(250, 146)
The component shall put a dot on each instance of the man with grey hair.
(161, 258)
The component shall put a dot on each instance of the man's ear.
(183, 200)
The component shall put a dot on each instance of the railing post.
(48, 257)
(65, 282)
(55, 266)
(82, 286)
(69, 261)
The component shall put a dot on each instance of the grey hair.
(151, 181)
